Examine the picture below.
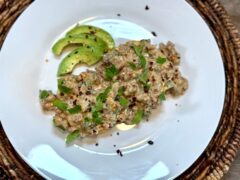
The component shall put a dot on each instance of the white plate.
(180, 132)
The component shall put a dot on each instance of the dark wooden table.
(233, 8)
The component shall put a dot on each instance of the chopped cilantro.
(162, 96)
(43, 94)
(75, 109)
(110, 72)
(103, 96)
(142, 59)
(161, 60)
(132, 65)
(123, 101)
(60, 104)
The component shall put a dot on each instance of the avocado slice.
(104, 35)
(85, 54)
(86, 39)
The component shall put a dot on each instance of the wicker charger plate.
(220, 153)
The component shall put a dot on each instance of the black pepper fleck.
(146, 7)
(61, 94)
(118, 15)
(154, 34)
(119, 152)
(114, 145)
(75, 102)
(96, 144)
(88, 92)
(150, 142)
(118, 133)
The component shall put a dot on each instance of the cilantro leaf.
(142, 59)
(162, 96)
(143, 77)
(75, 109)
(110, 72)
(161, 60)
(103, 96)
(43, 94)
(123, 101)
(132, 65)
(60, 104)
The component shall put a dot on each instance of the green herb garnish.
(72, 136)
(138, 117)
(162, 96)
(96, 117)
(110, 72)
(103, 96)
(43, 94)
(98, 106)
(60, 104)
(142, 59)
(121, 90)
(143, 77)
(123, 101)
(75, 109)
(132, 65)
(161, 60)
(63, 88)
(58, 126)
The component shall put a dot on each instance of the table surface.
(233, 8)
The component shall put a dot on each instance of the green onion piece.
(123, 101)
(72, 136)
(138, 117)
(161, 60)
(110, 72)
(43, 94)
(103, 96)
(58, 126)
(142, 59)
(60, 104)
(75, 109)
(132, 65)
(162, 96)
(63, 88)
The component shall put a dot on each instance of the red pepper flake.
(150, 142)
(154, 34)
(146, 7)
(119, 152)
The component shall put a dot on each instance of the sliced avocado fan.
(104, 35)
(85, 54)
(81, 39)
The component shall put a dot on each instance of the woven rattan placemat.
(220, 153)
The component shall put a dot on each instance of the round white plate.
(181, 129)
